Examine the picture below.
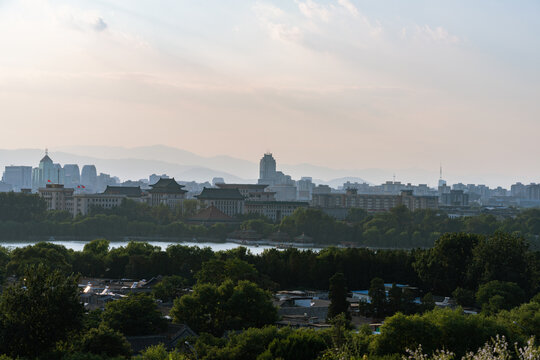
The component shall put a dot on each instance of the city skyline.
(139, 162)
(333, 83)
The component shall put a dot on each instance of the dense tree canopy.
(37, 311)
(229, 306)
(134, 315)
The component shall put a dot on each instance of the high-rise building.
(72, 175)
(19, 177)
(47, 173)
(89, 177)
(104, 180)
(267, 170)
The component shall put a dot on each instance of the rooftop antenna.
(440, 171)
(394, 177)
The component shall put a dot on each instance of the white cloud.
(274, 21)
(427, 33)
(312, 10)
(349, 6)
(83, 20)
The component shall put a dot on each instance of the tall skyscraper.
(89, 176)
(47, 173)
(19, 177)
(72, 175)
(267, 170)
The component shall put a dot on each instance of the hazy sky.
(344, 83)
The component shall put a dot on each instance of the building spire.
(46, 151)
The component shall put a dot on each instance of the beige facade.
(274, 210)
(82, 203)
(374, 202)
(57, 197)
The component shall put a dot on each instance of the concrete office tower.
(89, 177)
(267, 170)
(104, 180)
(19, 177)
(46, 173)
(72, 175)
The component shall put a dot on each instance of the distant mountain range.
(140, 162)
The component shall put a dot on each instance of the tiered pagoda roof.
(167, 186)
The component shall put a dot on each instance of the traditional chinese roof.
(242, 186)
(129, 191)
(220, 194)
(167, 186)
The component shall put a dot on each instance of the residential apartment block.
(374, 202)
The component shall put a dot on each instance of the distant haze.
(139, 162)
(367, 88)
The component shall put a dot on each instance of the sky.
(387, 84)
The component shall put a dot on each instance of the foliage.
(444, 267)
(169, 288)
(158, 352)
(136, 314)
(437, 329)
(21, 207)
(215, 308)
(216, 271)
(105, 341)
(39, 310)
(498, 295)
(51, 255)
(377, 293)
(338, 296)
(298, 345)
(495, 349)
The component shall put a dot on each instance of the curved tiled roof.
(167, 186)
(220, 194)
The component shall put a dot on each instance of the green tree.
(39, 310)
(338, 296)
(377, 293)
(464, 297)
(169, 288)
(21, 207)
(444, 267)
(504, 257)
(51, 255)
(105, 341)
(134, 315)
(229, 306)
(498, 295)
(98, 247)
(395, 299)
(216, 271)
(401, 332)
(523, 320)
(299, 345)
(159, 352)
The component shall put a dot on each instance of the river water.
(78, 245)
